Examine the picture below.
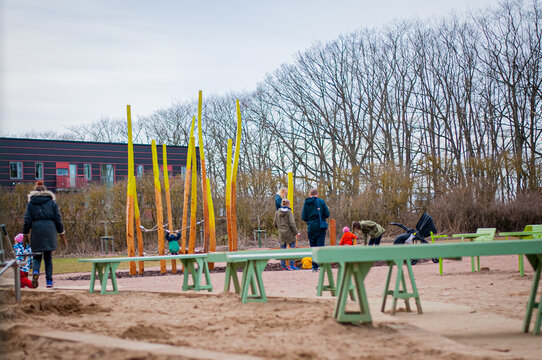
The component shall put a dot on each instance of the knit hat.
(19, 238)
(346, 229)
(40, 186)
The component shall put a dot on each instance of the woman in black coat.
(43, 218)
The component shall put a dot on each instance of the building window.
(62, 172)
(140, 170)
(107, 174)
(88, 171)
(16, 170)
(39, 170)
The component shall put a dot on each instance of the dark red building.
(73, 164)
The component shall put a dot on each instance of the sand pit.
(466, 316)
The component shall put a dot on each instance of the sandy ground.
(465, 316)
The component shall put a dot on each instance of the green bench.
(481, 234)
(358, 262)
(530, 232)
(253, 264)
(105, 268)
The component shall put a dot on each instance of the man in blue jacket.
(315, 212)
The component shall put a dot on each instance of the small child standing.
(173, 240)
(25, 261)
(348, 237)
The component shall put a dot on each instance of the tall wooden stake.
(138, 231)
(159, 209)
(194, 200)
(228, 195)
(187, 187)
(130, 197)
(234, 178)
(206, 235)
(291, 190)
(168, 201)
(332, 232)
(212, 228)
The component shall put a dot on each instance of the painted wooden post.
(168, 201)
(130, 196)
(159, 209)
(291, 190)
(187, 174)
(228, 195)
(138, 231)
(332, 232)
(234, 178)
(206, 234)
(194, 200)
(212, 227)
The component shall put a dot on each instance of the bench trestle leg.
(356, 272)
(400, 291)
(532, 304)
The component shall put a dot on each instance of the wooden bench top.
(425, 251)
(268, 255)
(144, 258)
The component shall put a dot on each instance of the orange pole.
(332, 232)
(139, 233)
(212, 228)
(194, 202)
(206, 234)
(130, 247)
(187, 187)
(168, 201)
(159, 209)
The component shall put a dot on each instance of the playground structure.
(187, 242)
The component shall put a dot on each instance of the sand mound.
(45, 303)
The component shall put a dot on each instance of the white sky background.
(70, 62)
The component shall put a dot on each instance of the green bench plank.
(105, 268)
(359, 261)
(481, 234)
(530, 232)
(253, 264)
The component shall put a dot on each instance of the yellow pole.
(228, 195)
(234, 178)
(187, 187)
(212, 227)
(168, 201)
(291, 190)
(159, 210)
(206, 235)
(194, 201)
(130, 197)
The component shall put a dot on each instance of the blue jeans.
(375, 241)
(282, 262)
(317, 238)
(48, 260)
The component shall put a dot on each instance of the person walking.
(315, 212)
(288, 233)
(42, 216)
(369, 228)
(282, 194)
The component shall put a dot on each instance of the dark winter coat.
(43, 218)
(311, 207)
(278, 201)
(285, 223)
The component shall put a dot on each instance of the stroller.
(424, 227)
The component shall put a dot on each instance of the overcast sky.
(69, 62)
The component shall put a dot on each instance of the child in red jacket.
(348, 238)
